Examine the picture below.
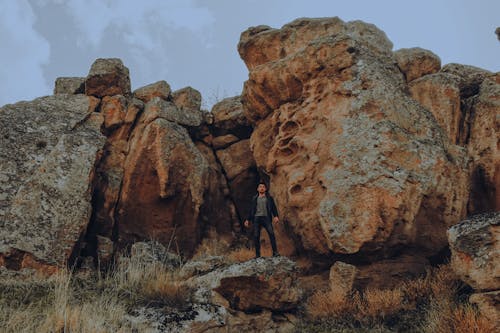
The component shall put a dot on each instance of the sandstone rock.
(107, 77)
(416, 62)
(342, 277)
(159, 89)
(114, 109)
(224, 141)
(489, 305)
(236, 158)
(470, 77)
(159, 108)
(355, 164)
(187, 99)
(229, 117)
(163, 186)
(218, 210)
(482, 145)
(268, 284)
(48, 151)
(440, 94)
(69, 85)
(475, 251)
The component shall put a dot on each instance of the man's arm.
(274, 210)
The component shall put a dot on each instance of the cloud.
(24, 52)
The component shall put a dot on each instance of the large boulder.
(355, 164)
(107, 77)
(475, 251)
(159, 89)
(48, 150)
(229, 118)
(262, 284)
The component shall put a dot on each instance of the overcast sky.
(193, 42)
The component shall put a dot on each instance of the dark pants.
(263, 221)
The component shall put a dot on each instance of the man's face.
(261, 188)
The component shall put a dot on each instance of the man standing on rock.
(263, 213)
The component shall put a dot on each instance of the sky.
(194, 42)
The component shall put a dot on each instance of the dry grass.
(432, 302)
(67, 303)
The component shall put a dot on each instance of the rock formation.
(355, 163)
(475, 247)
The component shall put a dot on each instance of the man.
(263, 212)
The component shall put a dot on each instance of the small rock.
(69, 85)
(342, 276)
(159, 89)
(105, 250)
(107, 77)
(475, 250)
(489, 305)
(417, 62)
(159, 108)
(187, 98)
(154, 252)
(224, 141)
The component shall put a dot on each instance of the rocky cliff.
(371, 154)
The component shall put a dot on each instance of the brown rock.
(497, 32)
(107, 77)
(355, 164)
(69, 85)
(114, 109)
(159, 108)
(489, 305)
(224, 141)
(470, 77)
(342, 277)
(263, 284)
(475, 251)
(416, 62)
(482, 145)
(229, 117)
(163, 184)
(48, 150)
(187, 99)
(159, 89)
(440, 94)
(236, 158)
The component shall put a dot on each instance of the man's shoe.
(276, 254)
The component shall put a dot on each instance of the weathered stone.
(470, 77)
(159, 89)
(107, 77)
(475, 251)
(236, 158)
(417, 62)
(69, 85)
(159, 108)
(342, 277)
(265, 283)
(221, 142)
(48, 150)
(163, 184)
(229, 117)
(114, 109)
(483, 148)
(202, 266)
(187, 99)
(489, 305)
(440, 94)
(218, 210)
(355, 164)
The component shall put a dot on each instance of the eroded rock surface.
(355, 164)
(48, 151)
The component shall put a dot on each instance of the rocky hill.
(371, 155)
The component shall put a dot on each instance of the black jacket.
(272, 211)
